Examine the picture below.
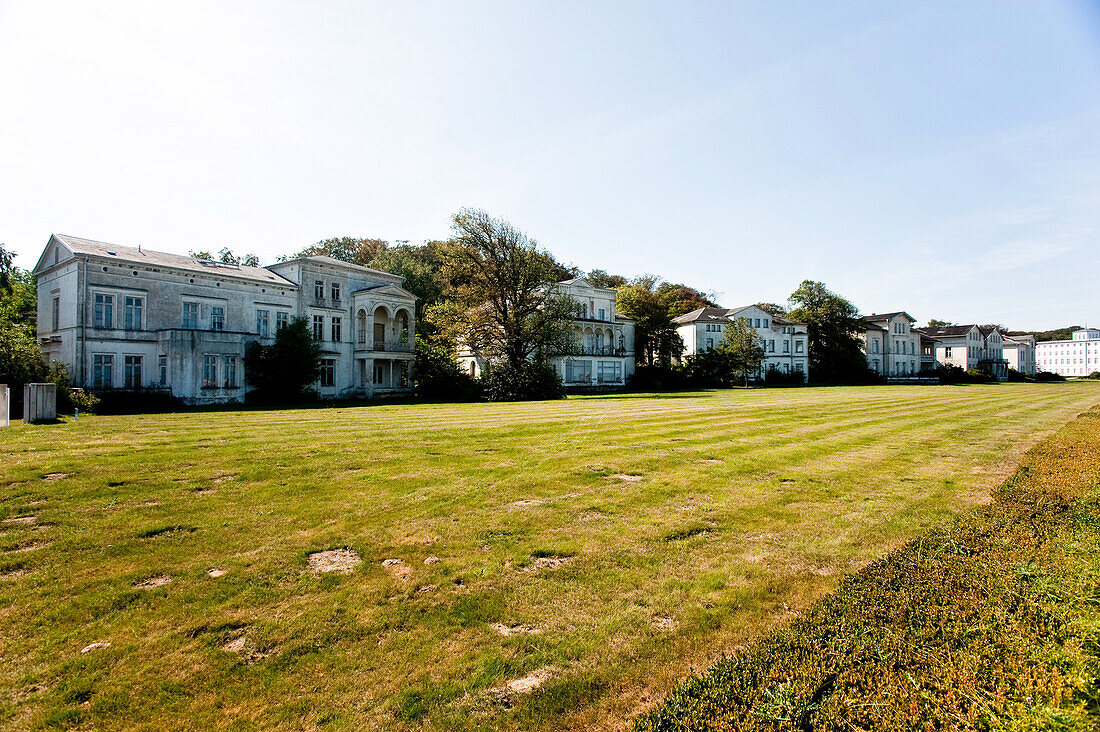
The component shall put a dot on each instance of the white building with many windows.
(969, 347)
(1019, 352)
(1078, 356)
(785, 343)
(131, 318)
(891, 343)
(602, 354)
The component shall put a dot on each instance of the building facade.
(970, 347)
(131, 318)
(1019, 352)
(891, 344)
(602, 352)
(785, 342)
(1078, 356)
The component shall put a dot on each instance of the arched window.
(362, 318)
(403, 326)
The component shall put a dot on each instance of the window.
(209, 371)
(230, 367)
(280, 321)
(771, 345)
(104, 311)
(318, 327)
(319, 289)
(102, 365)
(601, 314)
(336, 291)
(56, 313)
(610, 372)
(756, 323)
(191, 315)
(132, 313)
(217, 318)
(874, 346)
(947, 352)
(131, 371)
(798, 366)
(578, 371)
(786, 346)
(328, 372)
(162, 366)
(765, 322)
(336, 327)
(261, 323)
(798, 347)
(710, 344)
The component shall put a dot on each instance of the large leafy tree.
(833, 326)
(652, 304)
(421, 266)
(352, 249)
(500, 278)
(743, 348)
(286, 370)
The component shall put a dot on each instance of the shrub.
(1048, 376)
(1017, 376)
(285, 371)
(437, 376)
(1094, 375)
(657, 378)
(530, 380)
(135, 401)
(775, 377)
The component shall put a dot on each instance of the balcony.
(395, 345)
(596, 351)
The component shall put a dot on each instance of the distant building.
(969, 347)
(603, 340)
(891, 344)
(1078, 356)
(1019, 353)
(785, 342)
(132, 318)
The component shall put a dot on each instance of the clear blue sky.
(937, 157)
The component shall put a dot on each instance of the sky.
(941, 158)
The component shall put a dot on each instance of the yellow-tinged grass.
(688, 524)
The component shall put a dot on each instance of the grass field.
(601, 546)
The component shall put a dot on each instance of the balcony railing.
(395, 345)
(596, 351)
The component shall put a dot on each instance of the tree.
(742, 347)
(351, 249)
(833, 325)
(7, 265)
(250, 260)
(501, 281)
(773, 309)
(201, 254)
(421, 266)
(437, 375)
(656, 342)
(600, 278)
(286, 370)
(933, 323)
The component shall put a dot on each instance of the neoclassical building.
(602, 352)
(132, 318)
(892, 345)
(785, 342)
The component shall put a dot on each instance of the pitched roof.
(947, 331)
(150, 258)
(875, 317)
(724, 315)
(334, 262)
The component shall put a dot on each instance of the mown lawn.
(618, 541)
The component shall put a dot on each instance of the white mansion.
(603, 340)
(785, 343)
(891, 343)
(1078, 356)
(131, 318)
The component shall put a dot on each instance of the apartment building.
(1019, 352)
(133, 318)
(602, 352)
(1078, 356)
(891, 344)
(785, 342)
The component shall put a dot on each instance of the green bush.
(1048, 376)
(529, 381)
(775, 377)
(657, 378)
(437, 376)
(285, 371)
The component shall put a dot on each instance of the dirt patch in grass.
(21, 520)
(216, 572)
(528, 502)
(509, 630)
(432, 560)
(29, 547)
(152, 582)
(342, 561)
(527, 684)
(157, 531)
(13, 573)
(55, 476)
(547, 562)
(627, 477)
(98, 645)
(664, 622)
(398, 568)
